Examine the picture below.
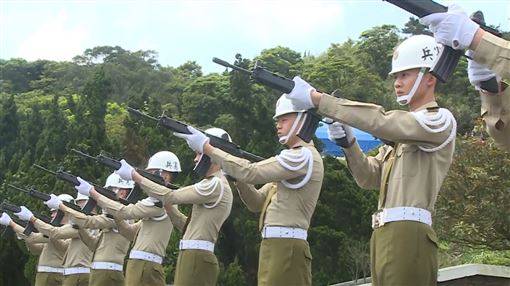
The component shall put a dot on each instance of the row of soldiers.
(408, 171)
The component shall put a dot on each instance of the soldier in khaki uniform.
(409, 174)
(293, 180)
(109, 246)
(490, 56)
(212, 203)
(77, 257)
(50, 252)
(150, 234)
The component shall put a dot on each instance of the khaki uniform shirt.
(152, 231)
(494, 52)
(108, 245)
(416, 175)
(212, 203)
(77, 254)
(288, 207)
(51, 252)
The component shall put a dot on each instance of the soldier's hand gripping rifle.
(449, 57)
(57, 221)
(115, 165)
(220, 143)
(6, 206)
(72, 179)
(7, 229)
(284, 85)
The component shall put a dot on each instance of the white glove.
(301, 94)
(84, 187)
(453, 28)
(477, 72)
(125, 171)
(5, 219)
(25, 214)
(339, 132)
(54, 202)
(196, 140)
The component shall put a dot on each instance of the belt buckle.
(377, 219)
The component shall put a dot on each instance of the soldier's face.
(284, 124)
(404, 81)
(53, 214)
(122, 193)
(167, 176)
(197, 157)
(81, 203)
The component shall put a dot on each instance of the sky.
(180, 31)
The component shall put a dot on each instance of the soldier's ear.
(430, 80)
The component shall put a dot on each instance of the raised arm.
(253, 198)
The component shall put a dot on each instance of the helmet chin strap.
(405, 99)
(284, 139)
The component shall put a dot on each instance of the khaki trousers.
(144, 273)
(76, 280)
(196, 267)
(48, 279)
(285, 261)
(404, 253)
(100, 277)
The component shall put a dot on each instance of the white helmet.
(81, 197)
(116, 181)
(218, 132)
(164, 160)
(65, 198)
(284, 106)
(419, 51)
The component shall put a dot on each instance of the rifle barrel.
(83, 154)
(140, 113)
(18, 188)
(229, 65)
(44, 169)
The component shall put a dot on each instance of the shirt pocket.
(407, 162)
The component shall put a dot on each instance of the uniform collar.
(215, 174)
(431, 104)
(303, 144)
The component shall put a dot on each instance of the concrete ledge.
(502, 273)
(466, 270)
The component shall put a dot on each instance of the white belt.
(400, 213)
(147, 256)
(196, 244)
(49, 269)
(76, 270)
(106, 266)
(283, 232)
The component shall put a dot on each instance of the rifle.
(115, 164)
(449, 57)
(221, 143)
(282, 84)
(57, 221)
(6, 206)
(72, 179)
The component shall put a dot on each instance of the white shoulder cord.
(431, 124)
(211, 185)
(304, 158)
(150, 202)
